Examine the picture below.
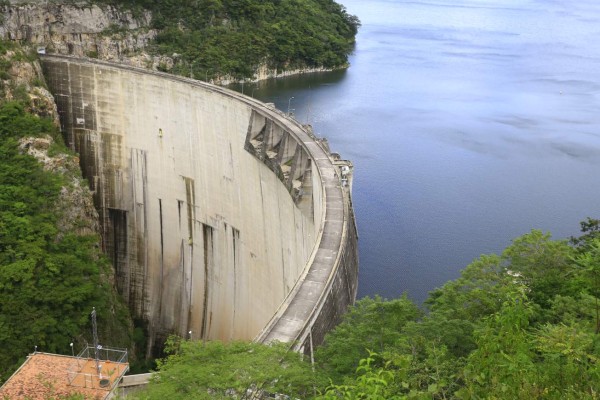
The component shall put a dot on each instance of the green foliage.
(4, 64)
(91, 54)
(523, 325)
(214, 370)
(517, 326)
(373, 383)
(114, 29)
(477, 293)
(514, 361)
(49, 282)
(15, 122)
(371, 324)
(542, 264)
(589, 263)
(3, 4)
(6, 45)
(503, 355)
(20, 93)
(591, 230)
(520, 325)
(38, 82)
(213, 38)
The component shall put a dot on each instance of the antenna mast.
(96, 345)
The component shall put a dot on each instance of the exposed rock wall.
(75, 207)
(264, 72)
(82, 30)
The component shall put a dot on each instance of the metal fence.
(98, 368)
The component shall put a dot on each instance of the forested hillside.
(52, 272)
(213, 38)
(521, 325)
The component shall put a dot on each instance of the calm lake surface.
(469, 123)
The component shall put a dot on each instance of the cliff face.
(82, 30)
(106, 33)
(76, 207)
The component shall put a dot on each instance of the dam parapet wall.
(223, 218)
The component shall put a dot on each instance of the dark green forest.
(50, 279)
(521, 325)
(212, 38)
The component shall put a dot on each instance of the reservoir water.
(469, 123)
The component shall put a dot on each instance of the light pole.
(289, 104)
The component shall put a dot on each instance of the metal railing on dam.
(224, 219)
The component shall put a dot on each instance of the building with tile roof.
(45, 375)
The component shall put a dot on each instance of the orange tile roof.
(44, 375)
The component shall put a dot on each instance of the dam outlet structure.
(224, 219)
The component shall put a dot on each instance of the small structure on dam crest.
(224, 219)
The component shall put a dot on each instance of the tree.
(590, 229)
(542, 264)
(214, 370)
(477, 293)
(369, 383)
(568, 360)
(589, 262)
(502, 366)
(373, 323)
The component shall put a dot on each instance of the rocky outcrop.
(23, 80)
(264, 72)
(75, 205)
(83, 30)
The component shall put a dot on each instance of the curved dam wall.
(221, 216)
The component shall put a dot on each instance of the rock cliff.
(24, 81)
(82, 30)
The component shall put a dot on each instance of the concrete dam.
(223, 218)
